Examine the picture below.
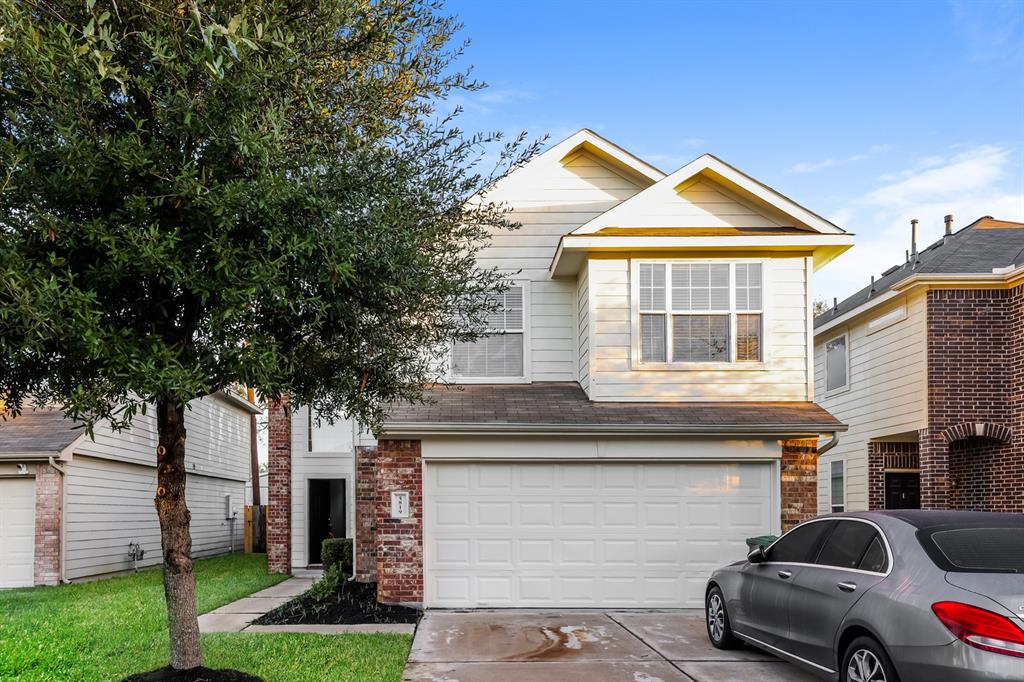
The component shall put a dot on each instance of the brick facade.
(279, 487)
(366, 515)
(399, 541)
(49, 488)
(973, 448)
(884, 455)
(799, 485)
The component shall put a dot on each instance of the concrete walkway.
(582, 646)
(238, 616)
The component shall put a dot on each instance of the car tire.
(866, 661)
(716, 618)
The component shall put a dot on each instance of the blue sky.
(869, 113)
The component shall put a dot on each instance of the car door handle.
(847, 587)
(785, 575)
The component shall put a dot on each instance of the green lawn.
(107, 629)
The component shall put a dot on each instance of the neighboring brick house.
(926, 366)
(642, 403)
(71, 506)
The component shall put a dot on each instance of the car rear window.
(982, 549)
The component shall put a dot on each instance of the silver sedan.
(901, 596)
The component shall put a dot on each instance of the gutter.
(829, 445)
(507, 429)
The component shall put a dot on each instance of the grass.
(107, 629)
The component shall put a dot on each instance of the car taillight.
(980, 628)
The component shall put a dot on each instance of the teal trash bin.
(761, 541)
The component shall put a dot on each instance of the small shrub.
(332, 582)
(337, 551)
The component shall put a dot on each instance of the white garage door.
(587, 534)
(17, 531)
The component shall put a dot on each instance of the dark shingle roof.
(977, 249)
(37, 431)
(564, 407)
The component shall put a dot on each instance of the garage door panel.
(586, 534)
(17, 532)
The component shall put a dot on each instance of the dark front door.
(326, 513)
(902, 490)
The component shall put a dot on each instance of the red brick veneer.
(399, 541)
(799, 485)
(279, 487)
(366, 515)
(49, 488)
(877, 452)
(975, 359)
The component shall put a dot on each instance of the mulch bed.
(355, 603)
(200, 674)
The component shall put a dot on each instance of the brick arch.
(965, 430)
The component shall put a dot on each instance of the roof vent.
(949, 224)
(891, 270)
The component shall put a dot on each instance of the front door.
(902, 490)
(326, 513)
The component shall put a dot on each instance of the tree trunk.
(175, 538)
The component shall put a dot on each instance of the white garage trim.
(588, 533)
(17, 531)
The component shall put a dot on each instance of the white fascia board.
(406, 430)
(238, 401)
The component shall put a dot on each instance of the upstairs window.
(699, 312)
(837, 487)
(836, 364)
(500, 352)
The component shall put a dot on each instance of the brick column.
(399, 541)
(366, 515)
(799, 481)
(279, 485)
(49, 507)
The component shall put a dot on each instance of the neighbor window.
(837, 486)
(836, 364)
(500, 352)
(692, 312)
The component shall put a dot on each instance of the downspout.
(829, 445)
(63, 499)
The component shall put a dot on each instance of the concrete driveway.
(581, 646)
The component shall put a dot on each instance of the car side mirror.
(757, 555)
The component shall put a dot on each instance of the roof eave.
(407, 429)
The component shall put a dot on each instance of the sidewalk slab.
(762, 671)
(253, 605)
(580, 671)
(292, 587)
(368, 628)
(224, 622)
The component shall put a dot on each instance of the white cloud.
(815, 166)
(969, 184)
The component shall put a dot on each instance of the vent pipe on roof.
(913, 236)
(872, 292)
(949, 224)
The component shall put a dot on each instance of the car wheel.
(866, 661)
(719, 629)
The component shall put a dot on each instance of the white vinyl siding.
(583, 325)
(500, 353)
(887, 397)
(837, 486)
(109, 504)
(781, 374)
(548, 199)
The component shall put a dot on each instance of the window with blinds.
(836, 364)
(500, 352)
(700, 312)
(837, 489)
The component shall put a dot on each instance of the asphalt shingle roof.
(982, 246)
(37, 431)
(564, 404)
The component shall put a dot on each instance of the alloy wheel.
(716, 617)
(864, 666)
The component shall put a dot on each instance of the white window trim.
(845, 387)
(732, 365)
(527, 345)
(831, 502)
(888, 318)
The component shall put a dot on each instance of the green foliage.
(194, 195)
(331, 582)
(337, 551)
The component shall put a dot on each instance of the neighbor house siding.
(307, 465)
(109, 504)
(887, 395)
(781, 377)
(550, 199)
(583, 317)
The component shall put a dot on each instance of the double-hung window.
(499, 353)
(700, 312)
(837, 485)
(837, 364)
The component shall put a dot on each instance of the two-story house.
(75, 507)
(926, 366)
(643, 403)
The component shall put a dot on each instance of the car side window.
(847, 544)
(874, 558)
(799, 545)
